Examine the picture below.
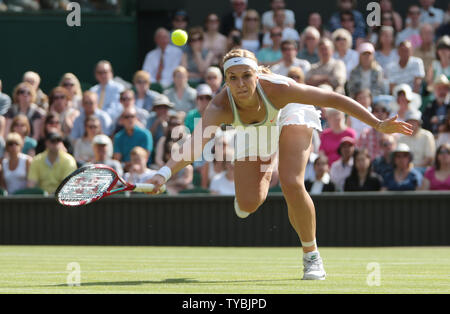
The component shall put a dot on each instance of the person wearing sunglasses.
(204, 96)
(59, 100)
(412, 32)
(72, 85)
(52, 124)
(271, 55)
(343, 42)
(289, 50)
(34, 80)
(144, 95)
(128, 101)
(83, 150)
(429, 14)
(213, 40)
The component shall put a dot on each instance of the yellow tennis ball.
(179, 37)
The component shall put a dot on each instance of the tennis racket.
(93, 183)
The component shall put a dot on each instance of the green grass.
(220, 270)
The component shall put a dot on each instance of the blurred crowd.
(57, 5)
(401, 68)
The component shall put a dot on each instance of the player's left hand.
(392, 125)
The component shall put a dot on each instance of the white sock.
(311, 255)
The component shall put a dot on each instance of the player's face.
(242, 80)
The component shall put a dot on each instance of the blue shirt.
(411, 182)
(111, 101)
(78, 124)
(124, 144)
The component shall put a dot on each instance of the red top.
(436, 184)
(330, 142)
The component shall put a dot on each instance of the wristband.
(165, 172)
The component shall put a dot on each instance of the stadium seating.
(35, 191)
(197, 190)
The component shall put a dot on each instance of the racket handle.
(147, 188)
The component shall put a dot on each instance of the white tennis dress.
(261, 139)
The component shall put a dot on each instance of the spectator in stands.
(196, 59)
(436, 112)
(386, 53)
(442, 64)
(128, 101)
(309, 40)
(60, 104)
(144, 96)
(437, 178)
(288, 33)
(14, 168)
(382, 165)
(322, 181)
(159, 118)
(412, 32)
(315, 20)
(421, 143)
(429, 14)
(368, 74)
(41, 100)
(49, 169)
(52, 124)
(348, 6)
(223, 183)
(183, 179)
(138, 172)
(234, 19)
(289, 50)
(343, 49)
(214, 79)
(251, 31)
(71, 83)
(181, 95)
(387, 7)
(180, 20)
(269, 56)
(162, 61)
(234, 39)
(83, 151)
(405, 100)
(387, 20)
(268, 18)
(328, 70)
(444, 132)
(341, 168)
(364, 97)
(403, 177)
(296, 73)
(24, 97)
(103, 151)
(90, 107)
(331, 138)
(409, 70)
(21, 125)
(130, 137)
(204, 96)
(362, 179)
(214, 41)
(348, 23)
(175, 122)
(426, 51)
(107, 90)
(5, 102)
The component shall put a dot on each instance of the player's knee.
(292, 184)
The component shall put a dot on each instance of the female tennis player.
(254, 97)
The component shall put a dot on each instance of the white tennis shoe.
(240, 213)
(313, 268)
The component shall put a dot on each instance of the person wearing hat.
(435, 113)
(403, 176)
(342, 168)
(204, 96)
(50, 168)
(103, 151)
(442, 63)
(159, 117)
(421, 143)
(368, 74)
(405, 100)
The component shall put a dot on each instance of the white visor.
(240, 61)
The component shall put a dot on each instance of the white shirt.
(414, 68)
(288, 34)
(171, 59)
(351, 60)
(317, 186)
(339, 172)
(221, 185)
(267, 19)
(139, 178)
(282, 69)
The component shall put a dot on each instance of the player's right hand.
(158, 181)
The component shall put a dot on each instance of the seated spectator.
(196, 59)
(159, 118)
(442, 64)
(204, 96)
(387, 7)
(287, 33)
(315, 20)
(73, 87)
(103, 152)
(364, 97)
(234, 40)
(408, 70)
(144, 96)
(52, 124)
(128, 101)
(175, 122)
(362, 179)
(437, 178)
(223, 183)
(235, 18)
(426, 51)
(387, 20)
(322, 181)
(429, 14)
(214, 41)
(421, 143)
(181, 95)
(162, 61)
(412, 32)
(328, 70)
(386, 53)
(405, 100)
(346, 6)
(5, 102)
(21, 125)
(83, 151)
(90, 107)
(348, 23)
(214, 79)
(341, 168)
(309, 42)
(268, 18)
(50, 168)
(296, 73)
(180, 20)
(403, 177)
(289, 50)
(107, 90)
(60, 104)
(343, 49)
(436, 112)
(14, 168)
(251, 31)
(138, 172)
(382, 165)
(41, 100)
(368, 74)
(130, 137)
(269, 56)
(444, 132)
(24, 97)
